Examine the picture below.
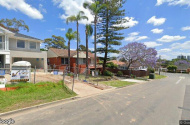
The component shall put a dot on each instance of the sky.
(161, 24)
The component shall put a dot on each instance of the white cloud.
(99, 45)
(182, 46)
(92, 49)
(173, 2)
(157, 31)
(164, 50)
(72, 7)
(61, 29)
(152, 44)
(132, 37)
(22, 6)
(42, 9)
(185, 28)
(156, 21)
(131, 22)
(167, 38)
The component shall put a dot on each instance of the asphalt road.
(159, 102)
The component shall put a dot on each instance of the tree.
(95, 9)
(77, 18)
(70, 35)
(138, 52)
(182, 63)
(89, 31)
(112, 19)
(172, 68)
(14, 24)
(55, 42)
(82, 48)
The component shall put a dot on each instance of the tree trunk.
(69, 56)
(86, 53)
(77, 48)
(106, 51)
(95, 60)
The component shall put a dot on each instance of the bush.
(172, 68)
(108, 73)
(119, 73)
(111, 65)
(151, 70)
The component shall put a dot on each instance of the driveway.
(158, 102)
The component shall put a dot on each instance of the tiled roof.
(64, 52)
(117, 62)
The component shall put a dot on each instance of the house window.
(64, 60)
(1, 39)
(32, 45)
(20, 44)
(81, 61)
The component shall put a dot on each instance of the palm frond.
(71, 19)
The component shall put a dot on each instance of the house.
(18, 47)
(123, 65)
(58, 59)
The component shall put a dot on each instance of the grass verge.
(117, 83)
(30, 94)
(157, 76)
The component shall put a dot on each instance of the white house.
(18, 47)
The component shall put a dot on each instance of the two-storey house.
(18, 47)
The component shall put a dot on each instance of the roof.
(117, 62)
(64, 52)
(15, 34)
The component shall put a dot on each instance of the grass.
(30, 94)
(157, 76)
(117, 83)
(90, 77)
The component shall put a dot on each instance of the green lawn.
(117, 83)
(157, 76)
(32, 94)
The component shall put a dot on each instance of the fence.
(130, 72)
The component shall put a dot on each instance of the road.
(159, 102)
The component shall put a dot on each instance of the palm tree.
(70, 35)
(77, 18)
(95, 8)
(89, 31)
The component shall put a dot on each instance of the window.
(1, 39)
(20, 44)
(84, 61)
(81, 61)
(64, 60)
(32, 45)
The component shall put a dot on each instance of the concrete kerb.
(64, 100)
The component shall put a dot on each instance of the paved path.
(159, 102)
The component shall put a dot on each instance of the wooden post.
(35, 75)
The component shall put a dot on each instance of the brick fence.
(128, 72)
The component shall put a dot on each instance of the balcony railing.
(2, 45)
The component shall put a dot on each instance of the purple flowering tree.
(138, 53)
(182, 62)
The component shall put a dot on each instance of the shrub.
(119, 73)
(111, 65)
(172, 68)
(151, 70)
(108, 73)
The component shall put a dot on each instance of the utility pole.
(159, 64)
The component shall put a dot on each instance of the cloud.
(182, 46)
(131, 22)
(23, 7)
(157, 31)
(42, 9)
(134, 37)
(156, 21)
(61, 29)
(99, 45)
(164, 50)
(185, 28)
(72, 7)
(167, 38)
(152, 44)
(173, 2)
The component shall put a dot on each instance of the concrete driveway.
(158, 102)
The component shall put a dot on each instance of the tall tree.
(14, 24)
(55, 42)
(137, 53)
(89, 31)
(70, 35)
(95, 9)
(77, 18)
(112, 20)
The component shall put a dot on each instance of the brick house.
(58, 59)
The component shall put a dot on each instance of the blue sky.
(162, 24)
